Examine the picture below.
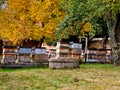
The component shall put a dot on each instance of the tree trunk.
(41, 41)
(115, 40)
(104, 31)
(105, 34)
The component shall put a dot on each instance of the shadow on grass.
(81, 66)
(99, 66)
(22, 68)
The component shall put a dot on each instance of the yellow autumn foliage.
(30, 19)
(87, 27)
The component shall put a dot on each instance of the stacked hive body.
(40, 55)
(24, 54)
(109, 54)
(97, 52)
(92, 55)
(9, 54)
(62, 50)
(66, 56)
(99, 55)
(75, 50)
(23, 57)
(96, 55)
(52, 53)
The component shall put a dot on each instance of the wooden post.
(86, 45)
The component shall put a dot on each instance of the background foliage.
(30, 20)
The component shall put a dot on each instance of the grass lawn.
(87, 77)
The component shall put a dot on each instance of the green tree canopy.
(94, 11)
(103, 15)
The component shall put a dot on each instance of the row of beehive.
(74, 51)
(99, 55)
(13, 54)
(68, 51)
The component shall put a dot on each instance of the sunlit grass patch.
(87, 77)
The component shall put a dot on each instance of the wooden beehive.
(99, 55)
(75, 46)
(75, 50)
(52, 53)
(75, 53)
(92, 55)
(40, 55)
(101, 58)
(24, 54)
(102, 55)
(9, 54)
(93, 51)
(109, 58)
(109, 52)
(62, 50)
(102, 51)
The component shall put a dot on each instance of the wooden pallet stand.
(60, 64)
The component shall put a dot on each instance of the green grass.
(87, 77)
